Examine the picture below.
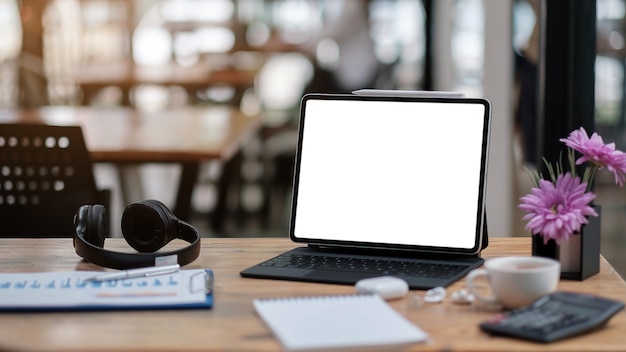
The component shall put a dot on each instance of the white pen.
(408, 93)
(141, 272)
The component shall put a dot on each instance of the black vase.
(580, 255)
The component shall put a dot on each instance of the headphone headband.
(90, 246)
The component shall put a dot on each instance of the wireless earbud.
(147, 226)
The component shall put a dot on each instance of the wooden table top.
(121, 134)
(127, 75)
(233, 324)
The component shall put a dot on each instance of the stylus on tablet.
(408, 93)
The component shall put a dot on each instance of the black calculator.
(553, 317)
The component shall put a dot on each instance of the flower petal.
(556, 211)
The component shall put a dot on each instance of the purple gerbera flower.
(594, 150)
(557, 210)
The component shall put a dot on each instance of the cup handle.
(470, 285)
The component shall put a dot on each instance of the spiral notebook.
(342, 322)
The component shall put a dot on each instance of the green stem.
(589, 175)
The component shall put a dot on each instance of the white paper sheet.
(72, 289)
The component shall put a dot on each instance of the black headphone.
(147, 226)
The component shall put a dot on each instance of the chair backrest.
(46, 174)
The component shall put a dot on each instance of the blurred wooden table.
(126, 136)
(232, 325)
(125, 76)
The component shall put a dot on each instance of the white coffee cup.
(516, 281)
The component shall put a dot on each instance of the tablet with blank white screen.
(391, 172)
(398, 177)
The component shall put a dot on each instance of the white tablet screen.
(391, 171)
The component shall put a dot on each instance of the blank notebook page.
(337, 322)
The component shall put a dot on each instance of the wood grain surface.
(232, 325)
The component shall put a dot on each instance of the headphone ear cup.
(91, 223)
(149, 225)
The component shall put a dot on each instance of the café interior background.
(273, 38)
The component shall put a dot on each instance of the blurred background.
(271, 52)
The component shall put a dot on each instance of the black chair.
(46, 174)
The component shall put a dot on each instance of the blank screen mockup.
(408, 173)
